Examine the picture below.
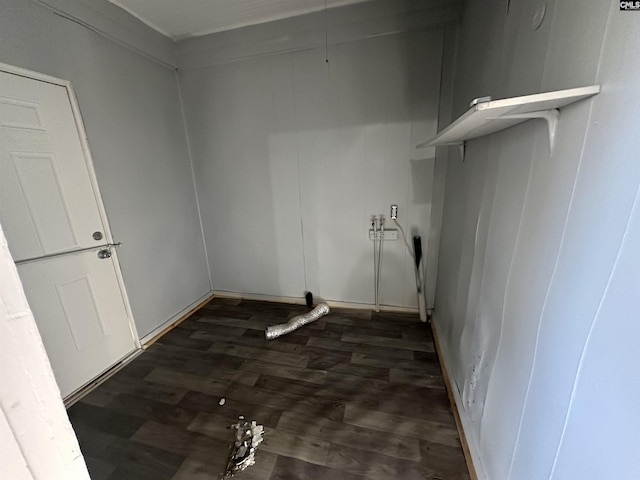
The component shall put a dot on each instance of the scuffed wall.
(536, 247)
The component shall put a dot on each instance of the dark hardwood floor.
(354, 395)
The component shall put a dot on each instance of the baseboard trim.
(166, 327)
(301, 301)
(471, 454)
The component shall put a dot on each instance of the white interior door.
(50, 211)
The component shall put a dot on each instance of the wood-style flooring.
(354, 395)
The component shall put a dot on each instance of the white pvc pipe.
(379, 269)
(374, 224)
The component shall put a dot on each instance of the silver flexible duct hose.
(275, 331)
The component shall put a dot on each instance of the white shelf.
(489, 117)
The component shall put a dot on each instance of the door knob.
(103, 254)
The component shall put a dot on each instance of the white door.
(51, 215)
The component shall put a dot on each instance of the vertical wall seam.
(555, 267)
(384, 196)
(544, 303)
(591, 328)
(548, 52)
(612, 9)
(193, 179)
(427, 256)
(535, 348)
(295, 122)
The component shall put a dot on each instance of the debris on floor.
(221, 402)
(248, 435)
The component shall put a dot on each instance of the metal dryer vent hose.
(275, 331)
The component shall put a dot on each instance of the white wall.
(132, 113)
(37, 440)
(538, 275)
(293, 155)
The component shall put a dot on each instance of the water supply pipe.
(379, 269)
(275, 331)
(374, 226)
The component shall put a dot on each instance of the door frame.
(82, 134)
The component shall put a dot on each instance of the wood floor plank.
(341, 388)
(196, 366)
(223, 301)
(307, 449)
(232, 408)
(181, 338)
(231, 322)
(214, 425)
(92, 441)
(293, 388)
(280, 400)
(329, 344)
(417, 333)
(351, 386)
(373, 466)
(107, 421)
(198, 469)
(288, 344)
(443, 461)
(363, 371)
(438, 409)
(397, 375)
(182, 442)
(347, 435)
(372, 360)
(210, 386)
(261, 355)
(137, 461)
(151, 410)
(229, 311)
(230, 331)
(173, 356)
(328, 361)
(364, 329)
(99, 469)
(287, 468)
(354, 395)
(424, 346)
(401, 425)
(99, 397)
(292, 373)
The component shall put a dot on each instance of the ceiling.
(187, 18)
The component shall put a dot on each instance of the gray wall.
(293, 155)
(538, 276)
(132, 113)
